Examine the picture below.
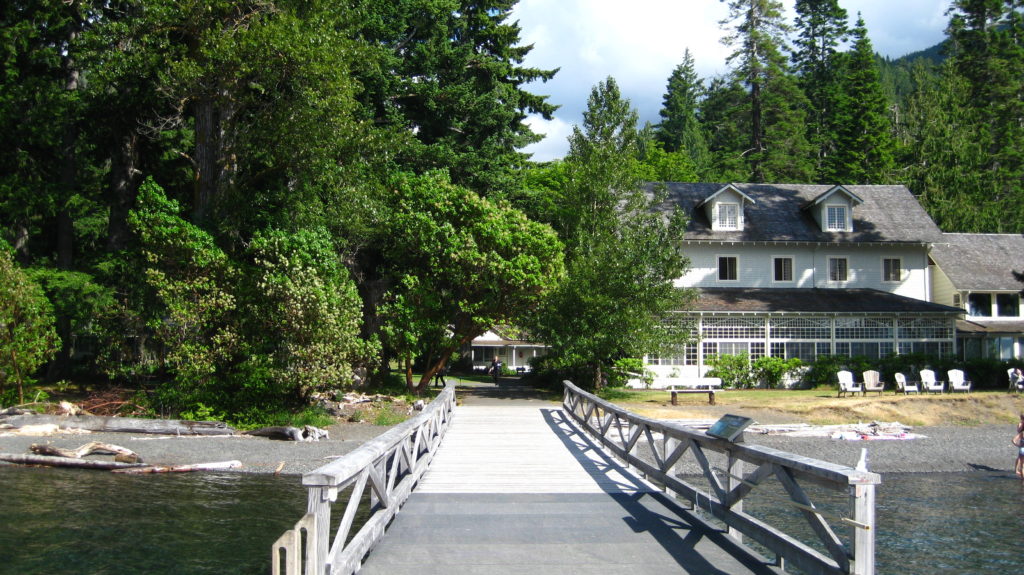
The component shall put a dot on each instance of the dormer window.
(728, 216)
(836, 218)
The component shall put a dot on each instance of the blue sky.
(639, 42)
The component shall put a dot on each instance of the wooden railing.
(391, 465)
(721, 491)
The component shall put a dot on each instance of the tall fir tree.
(821, 28)
(452, 76)
(679, 129)
(864, 146)
(987, 40)
(774, 115)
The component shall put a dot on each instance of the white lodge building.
(808, 270)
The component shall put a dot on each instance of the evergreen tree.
(987, 40)
(821, 27)
(864, 147)
(679, 129)
(775, 115)
(452, 77)
(622, 254)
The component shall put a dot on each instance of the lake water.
(55, 521)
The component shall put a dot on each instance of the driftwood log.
(121, 454)
(51, 461)
(122, 424)
(216, 466)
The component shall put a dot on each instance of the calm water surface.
(89, 522)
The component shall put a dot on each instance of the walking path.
(516, 489)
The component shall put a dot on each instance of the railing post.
(863, 502)
(319, 504)
(734, 469)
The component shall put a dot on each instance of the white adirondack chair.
(846, 383)
(872, 382)
(957, 381)
(929, 382)
(906, 386)
(1016, 379)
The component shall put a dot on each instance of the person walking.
(495, 369)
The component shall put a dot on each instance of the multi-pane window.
(728, 216)
(732, 328)
(783, 269)
(892, 270)
(801, 328)
(838, 270)
(1008, 304)
(727, 268)
(979, 304)
(835, 218)
(863, 328)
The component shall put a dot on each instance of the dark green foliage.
(621, 255)
(863, 151)
(679, 129)
(733, 370)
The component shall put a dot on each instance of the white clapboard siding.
(497, 449)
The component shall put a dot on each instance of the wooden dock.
(519, 490)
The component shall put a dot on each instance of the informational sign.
(729, 427)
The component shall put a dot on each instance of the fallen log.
(216, 466)
(51, 461)
(122, 424)
(121, 454)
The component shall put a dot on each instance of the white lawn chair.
(872, 382)
(1016, 379)
(846, 383)
(957, 381)
(906, 386)
(929, 382)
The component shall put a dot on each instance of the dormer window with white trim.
(724, 209)
(836, 220)
(728, 216)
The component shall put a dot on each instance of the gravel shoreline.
(942, 449)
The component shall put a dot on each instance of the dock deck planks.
(518, 490)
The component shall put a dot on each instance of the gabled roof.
(888, 214)
(813, 300)
(723, 189)
(981, 262)
(854, 198)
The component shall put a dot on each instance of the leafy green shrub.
(27, 335)
(772, 370)
(628, 368)
(733, 370)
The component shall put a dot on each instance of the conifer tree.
(679, 129)
(821, 27)
(864, 145)
(775, 108)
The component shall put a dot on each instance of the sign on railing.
(656, 448)
(389, 465)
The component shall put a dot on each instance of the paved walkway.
(516, 489)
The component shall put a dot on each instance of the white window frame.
(837, 224)
(846, 269)
(887, 272)
(728, 216)
(792, 271)
(718, 267)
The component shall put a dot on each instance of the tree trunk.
(124, 188)
(123, 424)
(207, 150)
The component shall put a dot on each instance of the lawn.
(822, 407)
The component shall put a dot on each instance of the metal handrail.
(623, 432)
(390, 465)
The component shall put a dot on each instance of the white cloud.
(639, 43)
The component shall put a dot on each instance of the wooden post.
(862, 498)
(675, 397)
(319, 504)
(734, 469)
